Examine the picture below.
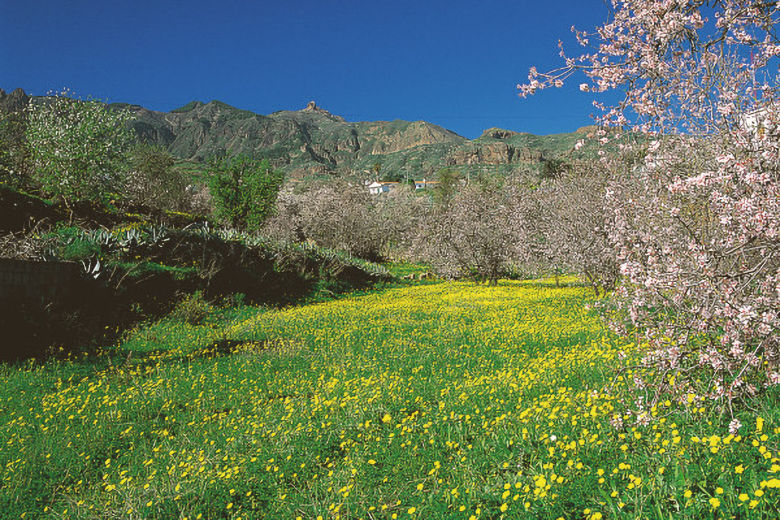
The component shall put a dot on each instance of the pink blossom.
(695, 226)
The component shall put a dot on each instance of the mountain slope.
(313, 142)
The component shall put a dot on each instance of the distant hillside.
(313, 142)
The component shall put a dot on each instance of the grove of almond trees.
(694, 223)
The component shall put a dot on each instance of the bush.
(154, 180)
(192, 308)
(244, 191)
(14, 156)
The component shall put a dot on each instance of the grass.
(146, 267)
(435, 401)
(402, 269)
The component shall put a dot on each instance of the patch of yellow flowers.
(438, 401)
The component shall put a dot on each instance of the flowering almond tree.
(78, 148)
(696, 225)
(574, 222)
(481, 233)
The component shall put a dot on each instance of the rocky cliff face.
(493, 154)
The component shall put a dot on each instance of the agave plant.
(92, 267)
(157, 235)
(202, 229)
(128, 238)
(102, 237)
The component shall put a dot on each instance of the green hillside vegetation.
(137, 263)
(315, 143)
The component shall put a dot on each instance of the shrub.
(192, 308)
(244, 190)
(14, 155)
(155, 181)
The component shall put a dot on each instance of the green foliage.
(155, 180)
(14, 156)
(71, 243)
(402, 269)
(553, 168)
(244, 190)
(447, 400)
(192, 309)
(449, 183)
(187, 108)
(77, 148)
(146, 268)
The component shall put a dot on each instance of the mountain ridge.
(313, 142)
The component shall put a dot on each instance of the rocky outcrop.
(384, 137)
(492, 153)
(498, 133)
(312, 107)
(14, 101)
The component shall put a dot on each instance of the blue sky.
(452, 63)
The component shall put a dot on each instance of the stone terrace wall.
(26, 282)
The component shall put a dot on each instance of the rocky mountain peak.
(312, 107)
(498, 133)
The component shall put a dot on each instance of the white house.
(378, 188)
(757, 120)
(424, 184)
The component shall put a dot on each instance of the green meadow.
(435, 401)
